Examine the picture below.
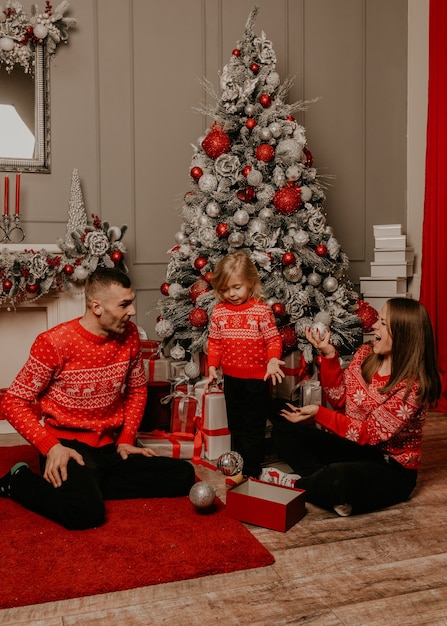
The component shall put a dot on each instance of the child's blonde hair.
(236, 264)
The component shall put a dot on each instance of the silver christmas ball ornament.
(330, 284)
(202, 495)
(306, 193)
(230, 463)
(175, 289)
(236, 239)
(265, 133)
(293, 273)
(314, 279)
(213, 209)
(276, 129)
(254, 178)
(164, 328)
(320, 327)
(80, 272)
(301, 237)
(207, 183)
(180, 237)
(266, 214)
(241, 217)
(293, 172)
(249, 109)
(177, 352)
(192, 370)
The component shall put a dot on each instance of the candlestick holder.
(11, 231)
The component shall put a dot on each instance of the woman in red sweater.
(245, 342)
(367, 452)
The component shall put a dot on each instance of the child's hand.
(212, 378)
(274, 371)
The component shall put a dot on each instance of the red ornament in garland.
(309, 158)
(289, 339)
(165, 289)
(222, 230)
(198, 317)
(7, 285)
(246, 195)
(32, 288)
(250, 123)
(321, 250)
(200, 262)
(196, 173)
(287, 200)
(117, 256)
(265, 152)
(246, 171)
(254, 68)
(288, 258)
(265, 100)
(278, 309)
(367, 314)
(208, 276)
(236, 52)
(290, 118)
(217, 142)
(197, 288)
(68, 269)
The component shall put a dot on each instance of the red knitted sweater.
(389, 421)
(89, 387)
(243, 338)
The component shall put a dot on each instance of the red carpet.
(144, 542)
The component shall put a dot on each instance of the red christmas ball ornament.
(165, 289)
(254, 68)
(68, 269)
(265, 100)
(236, 52)
(308, 155)
(246, 171)
(250, 123)
(196, 173)
(321, 250)
(208, 276)
(265, 152)
(287, 200)
(117, 256)
(289, 339)
(222, 230)
(290, 118)
(197, 288)
(288, 258)
(278, 309)
(367, 314)
(7, 285)
(217, 142)
(198, 317)
(246, 195)
(200, 262)
(32, 288)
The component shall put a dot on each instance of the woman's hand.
(297, 414)
(323, 344)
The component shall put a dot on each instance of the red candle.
(17, 211)
(6, 197)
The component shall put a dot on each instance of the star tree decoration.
(254, 187)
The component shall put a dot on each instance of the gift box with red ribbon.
(174, 445)
(212, 422)
(296, 369)
(183, 409)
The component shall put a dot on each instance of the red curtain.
(434, 237)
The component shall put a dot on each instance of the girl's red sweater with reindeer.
(242, 339)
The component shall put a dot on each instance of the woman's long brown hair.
(413, 351)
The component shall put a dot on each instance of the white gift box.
(387, 230)
(157, 368)
(307, 392)
(391, 270)
(399, 241)
(173, 445)
(383, 286)
(394, 255)
(213, 421)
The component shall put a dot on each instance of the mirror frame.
(41, 162)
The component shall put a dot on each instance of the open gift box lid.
(263, 504)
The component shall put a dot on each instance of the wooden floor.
(385, 568)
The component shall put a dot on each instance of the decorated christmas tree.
(254, 187)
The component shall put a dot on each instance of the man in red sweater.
(89, 378)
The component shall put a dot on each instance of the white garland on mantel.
(26, 274)
(20, 34)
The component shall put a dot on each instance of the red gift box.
(262, 504)
(157, 415)
(183, 412)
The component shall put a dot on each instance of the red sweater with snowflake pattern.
(388, 421)
(90, 388)
(242, 339)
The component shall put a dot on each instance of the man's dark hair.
(104, 277)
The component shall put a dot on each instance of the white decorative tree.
(253, 187)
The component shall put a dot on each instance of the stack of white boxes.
(391, 268)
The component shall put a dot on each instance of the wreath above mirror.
(20, 34)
